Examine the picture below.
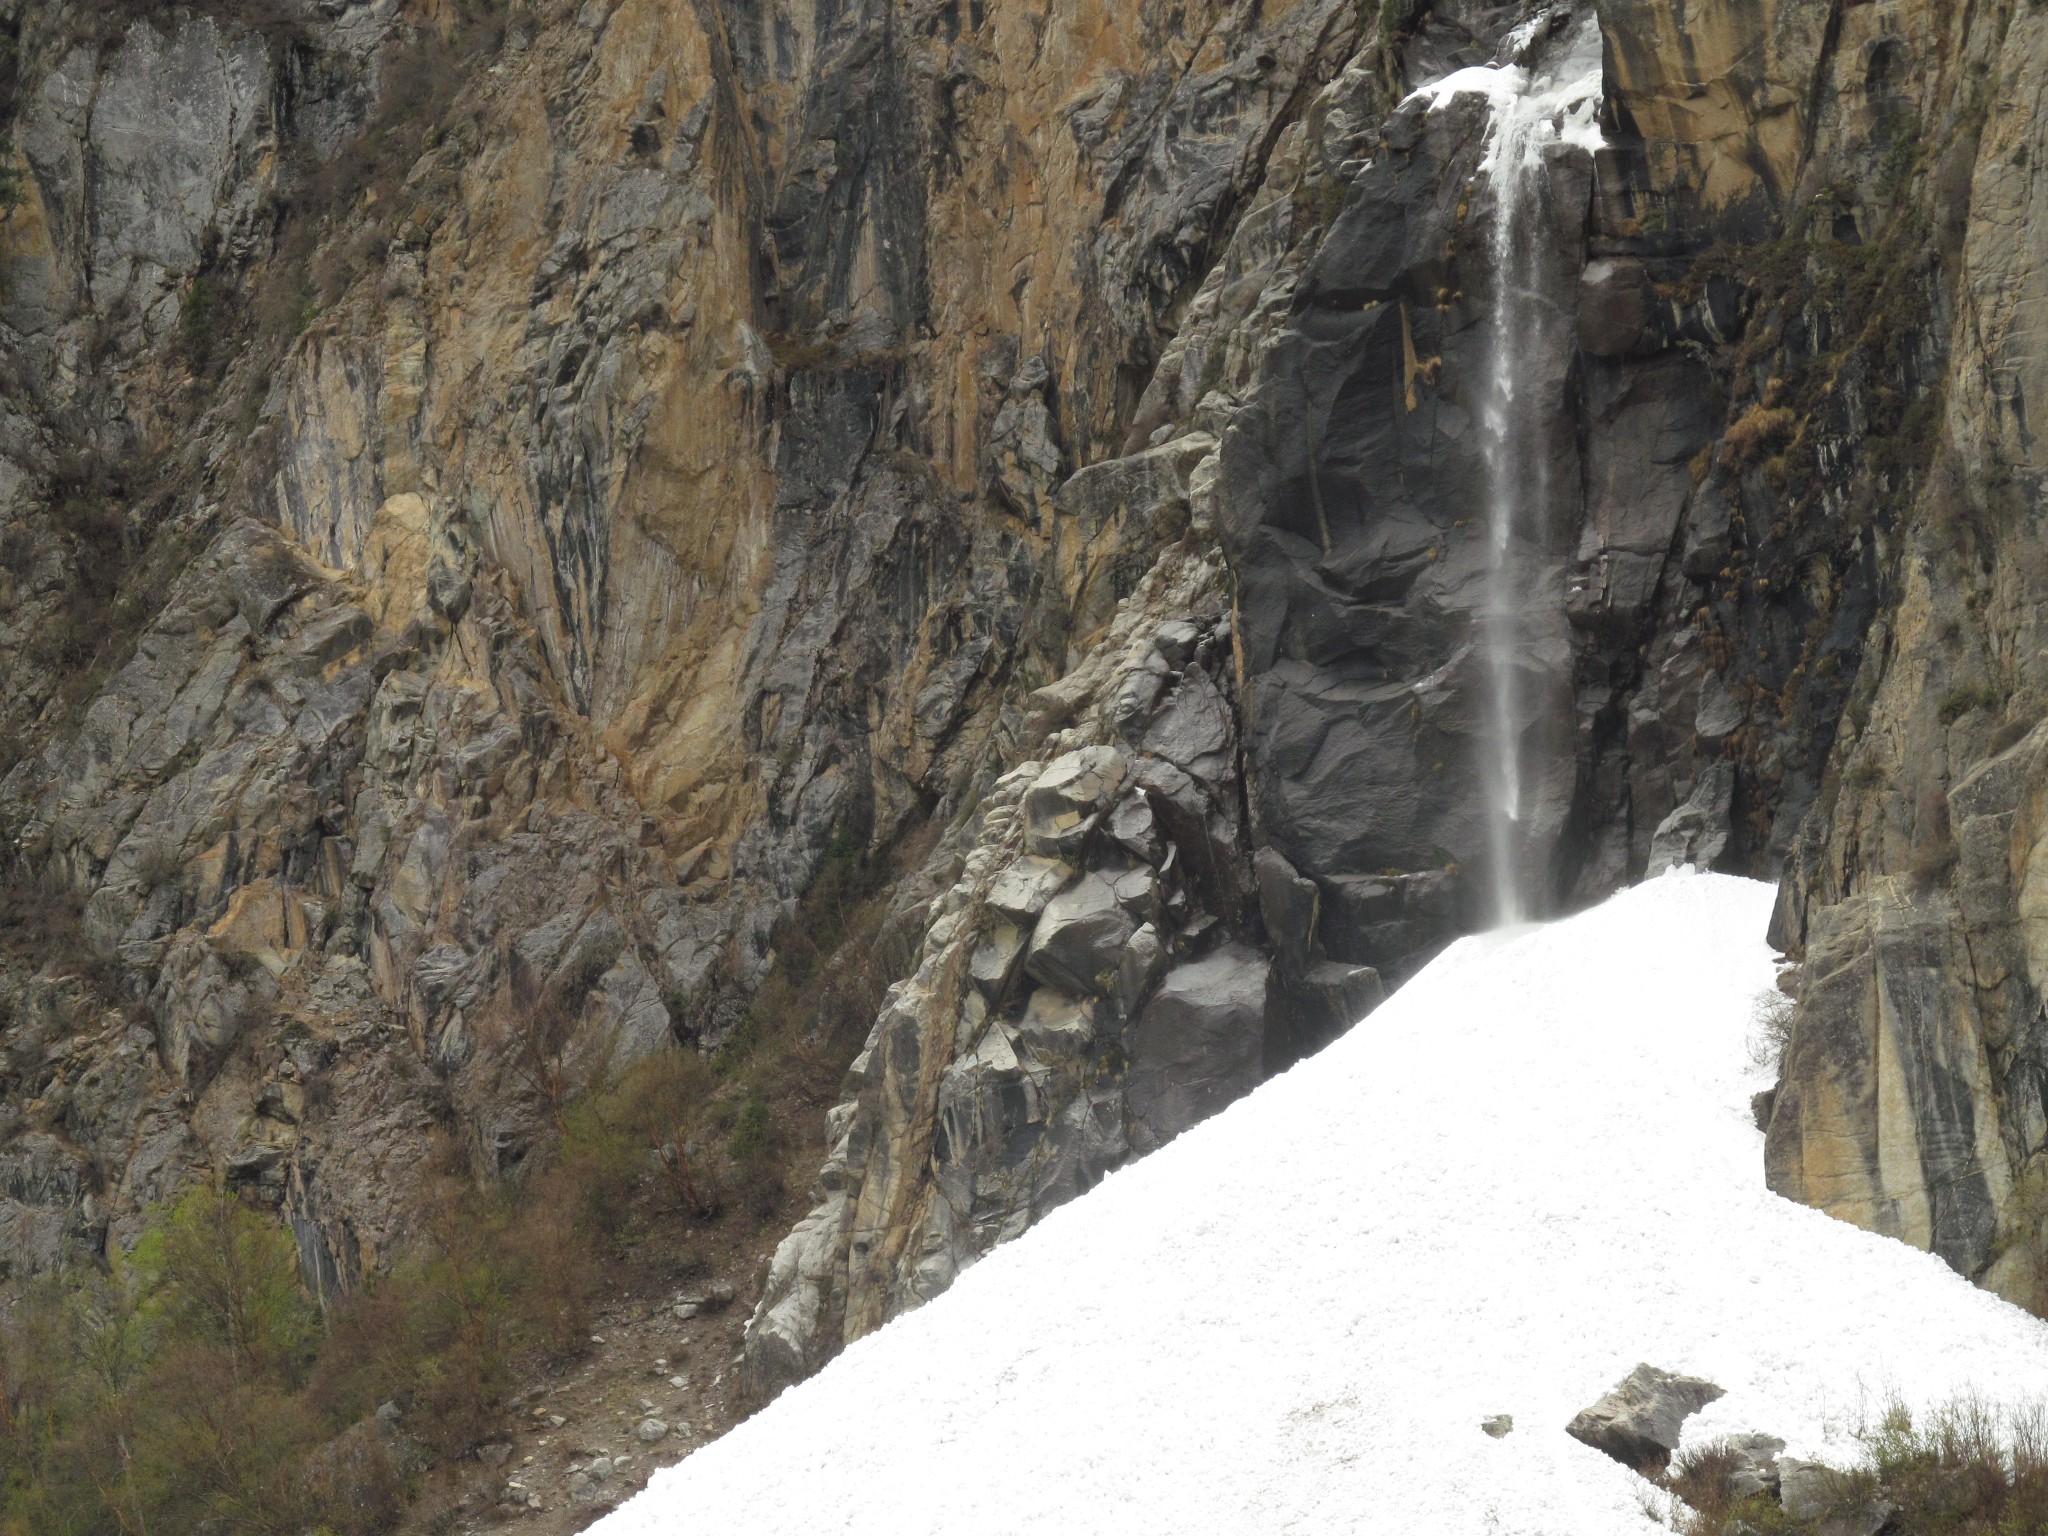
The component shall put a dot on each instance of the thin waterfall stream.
(1535, 103)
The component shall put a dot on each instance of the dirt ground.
(573, 1444)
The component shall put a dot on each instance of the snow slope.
(1532, 1168)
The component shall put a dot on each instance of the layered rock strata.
(490, 508)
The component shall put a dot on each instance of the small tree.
(228, 1278)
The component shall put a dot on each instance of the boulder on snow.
(1697, 832)
(1350, 992)
(1200, 1044)
(1500, 1425)
(1062, 807)
(1080, 938)
(1638, 1421)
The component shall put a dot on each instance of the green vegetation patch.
(1964, 1470)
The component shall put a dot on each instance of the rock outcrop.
(495, 509)
(1912, 1099)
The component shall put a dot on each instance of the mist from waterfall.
(1535, 103)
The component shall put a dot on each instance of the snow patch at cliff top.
(1531, 107)
(1532, 1168)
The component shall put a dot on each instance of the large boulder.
(1055, 1025)
(1132, 825)
(1021, 891)
(1200, 1044)
(1138, 967)
(1080, 938)
(1347, 992)
(993, 965)
(1063, 806)
(1638, 1421)
(1697, 832)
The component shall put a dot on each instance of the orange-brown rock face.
(498, 504)
(659, 412)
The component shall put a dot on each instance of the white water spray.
(1531, 108)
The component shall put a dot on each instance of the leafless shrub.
(1770, 1030)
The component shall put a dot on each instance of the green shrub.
(165, 1395)
(1965, 1470)
(198, 323)
(750, 1135)
(13, 180)
(1958, 702)
(224, 1278)
(644, 1120)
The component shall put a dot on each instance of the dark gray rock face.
(1199, 1044)
(1080, 938)
(801, 443)
(1063, 807)
(1356, 495)
(1638, 1421)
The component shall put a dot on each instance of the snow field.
(1530, 1169)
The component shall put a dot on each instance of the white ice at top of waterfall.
(1557, 103)
(1532, 1167)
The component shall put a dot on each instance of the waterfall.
(1534, 103)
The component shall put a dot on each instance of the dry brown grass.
(1757, 429)
(1966, 1469)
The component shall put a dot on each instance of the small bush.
(1770, 1030)
(750, 1133)
(644, 1120)
(198, 324)
(1757, 429)
(1968, 699)
(1965, 1470)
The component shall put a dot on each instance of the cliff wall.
(499, 503)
